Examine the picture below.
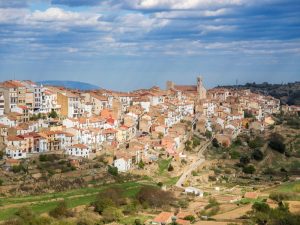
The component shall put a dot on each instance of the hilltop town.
(206, 147)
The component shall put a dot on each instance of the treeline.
(287, 93)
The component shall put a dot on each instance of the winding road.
(193, 166)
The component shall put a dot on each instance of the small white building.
(15, 152)
(193, 190)
(78, 150)
(123, 164)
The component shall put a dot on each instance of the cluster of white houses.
(132, 125)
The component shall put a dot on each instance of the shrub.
(141, 164)
(256, 143)
(60, 211)
(191, 218)
(113, 170)
(53, 114)
(244, 160)
(279, 196)
(234, 154)
(276, 143)
(183, 203)
(112, 214)
(137, 222)
(160, 184)
(154, 197)
(249, 169)
(215, 143)
(208, 134)
(170, 168)
(1, 182)
(102, 203)
(257, 155)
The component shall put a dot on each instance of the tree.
(141, 164)
(102, 203)
(244, 160)
(262, 214)
(257, 142)
(276, 143)
(111, 214)
(249, 169)
(154, 197)
(61, 210)
(257, 155)
(137, 222)
(53, 114)
(112, 170)
(26, 217)
(215, 143)
(170, 168)
(208, 134)
(112, 197)
(191, 218)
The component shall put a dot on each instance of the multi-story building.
(10, 93)
(71, 105)
(2, 104)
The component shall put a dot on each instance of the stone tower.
(200, 88)
(170, 85)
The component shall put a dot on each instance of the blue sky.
(129, 44)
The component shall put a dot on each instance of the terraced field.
(46, 202)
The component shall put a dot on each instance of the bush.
(196, 142)
(279, 196)
(50, 157)
(113, 170)
(154, 197)
(112, 214)
(191, 218)
(102, 203)
(244, 160)
(208, 134)
(19, 168)
(60, 211)
(53, 114)
(234, 154)
(137, 222)
(141, 164)
(249, 169)
(1, 182)
(170, 168)
(112, 197)
(256, 143)
(257, 155)
(215, 143)
(183, 203)
(276, 143)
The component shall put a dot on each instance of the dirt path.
(193, 166)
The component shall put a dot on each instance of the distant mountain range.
(69, 84)
(287, 93)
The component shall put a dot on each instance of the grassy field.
(290, 187)
(46, 202)
(163, 165)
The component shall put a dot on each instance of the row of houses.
(90, 121)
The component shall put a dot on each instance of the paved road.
(193, 166)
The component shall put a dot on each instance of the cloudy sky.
(128, 44)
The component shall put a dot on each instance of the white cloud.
(186, 14)
(179, 4)
(54, 14)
